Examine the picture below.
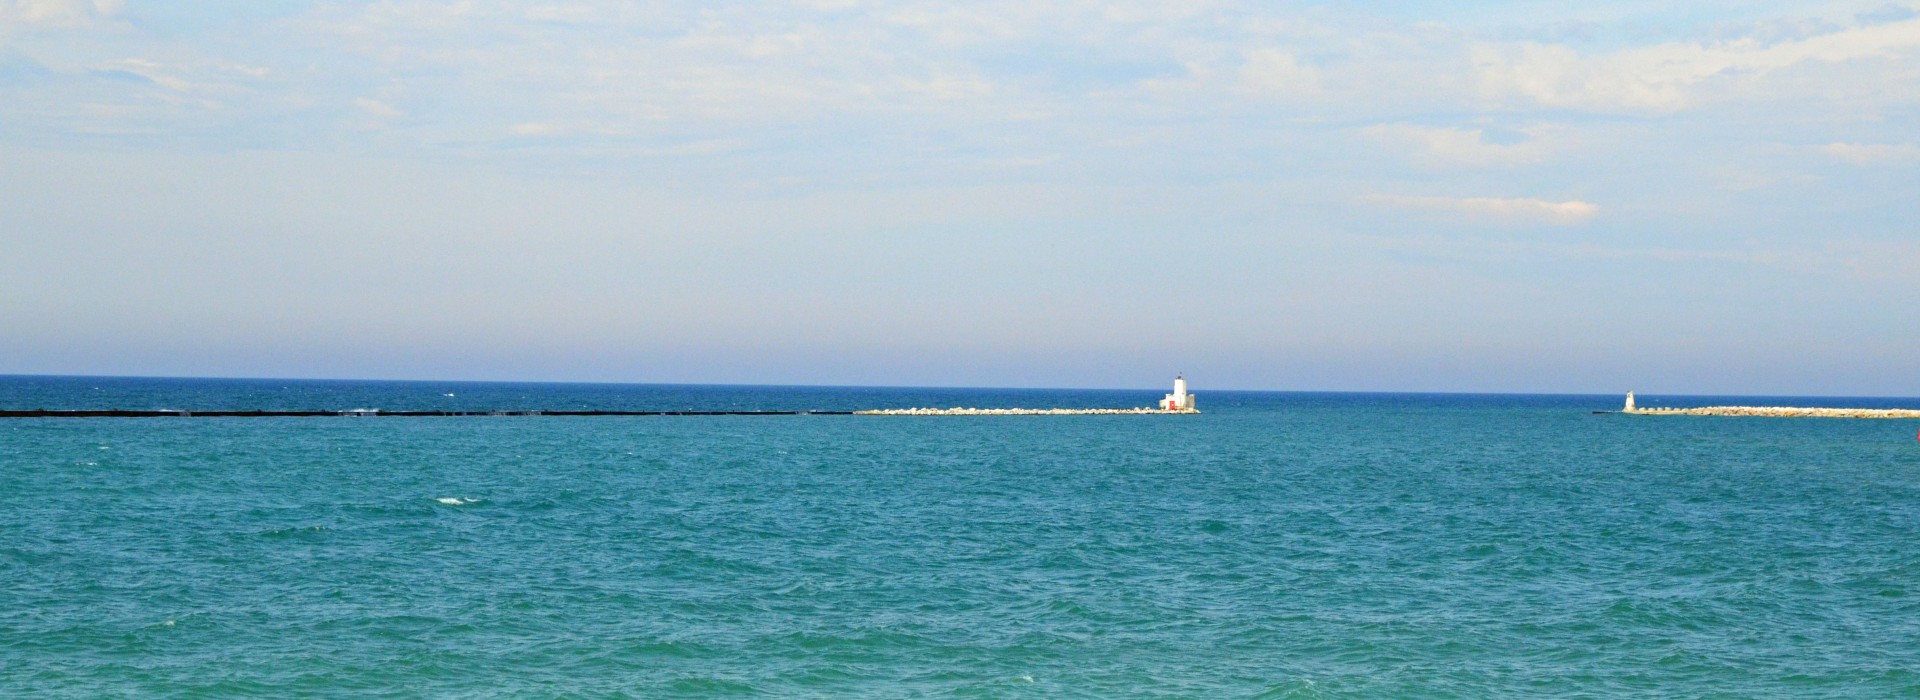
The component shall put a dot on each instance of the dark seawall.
(116, 413)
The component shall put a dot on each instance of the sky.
(1706, 197)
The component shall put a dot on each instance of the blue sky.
(1499, 196)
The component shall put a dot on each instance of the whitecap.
(457, 501)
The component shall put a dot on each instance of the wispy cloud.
(702, 147)
(1872, 262)
(1667, 77)
(57, 13)
(1276, 72)
(377, 108)
(646, 69)
(1873, 153)
(1508, 210)
(1456, 146)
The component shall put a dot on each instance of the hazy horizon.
(1196, 388)
(1507, 197)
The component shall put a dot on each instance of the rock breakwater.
(1018, 411)
(1778, 412)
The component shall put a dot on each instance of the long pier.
(1177, 402)
(1778, 412)
(363, 412)
(377, 413)
(1024, 411)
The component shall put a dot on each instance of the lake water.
(1279, 545)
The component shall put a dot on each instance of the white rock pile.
(1779, 412)
(1017, 411)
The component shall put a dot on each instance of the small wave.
(457, 501)
(293, 531)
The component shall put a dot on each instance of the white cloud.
(377, 108)
(1129, 71)
(1666, 77)
(1494, 208)
(568, 13)
(56, 13)
(702, 147)
(1451, 146)
(163, 76)
(1873, 153)
(1272, 71)
(946, 88)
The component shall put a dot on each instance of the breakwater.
(1021, 411)
(1778, 412)
(369, 412)
(376, 413)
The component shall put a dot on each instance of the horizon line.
(1203, 390)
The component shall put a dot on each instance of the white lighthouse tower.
(1179, 400)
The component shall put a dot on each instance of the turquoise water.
(1277, 546)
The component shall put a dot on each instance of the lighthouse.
(1179, 400)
